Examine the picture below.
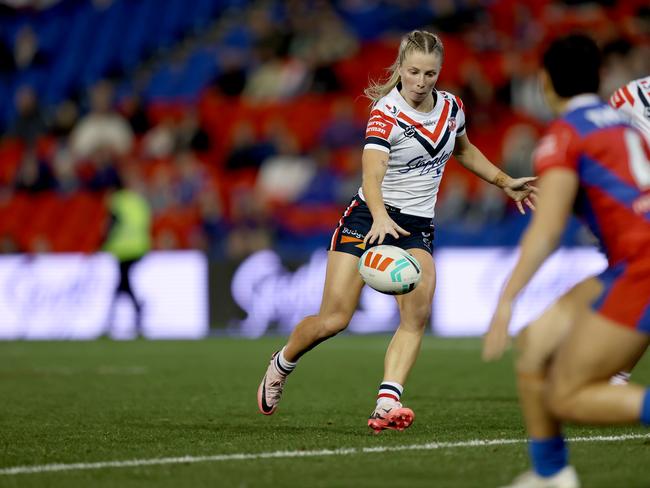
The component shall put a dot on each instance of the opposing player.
(592, 160)
(412, 132)
(633, 100)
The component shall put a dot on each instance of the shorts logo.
(409, 131)
(452, 123)
(353, 233)
(353, 236)
(426, 239)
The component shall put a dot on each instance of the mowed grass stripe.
(294, 454)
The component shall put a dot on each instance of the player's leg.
(596, 346)
(126, 269)
(343, 286)
(535, 346)
(579, 389)
(415, 310)
(603, 341)
(341, 293)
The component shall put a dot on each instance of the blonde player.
(412, 133)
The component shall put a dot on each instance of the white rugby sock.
(389, 390)
(285, 367)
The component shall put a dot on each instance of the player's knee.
(417, 317)
(333, 323)
(560, 403)
(528, 358)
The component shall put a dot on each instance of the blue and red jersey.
(612, 161)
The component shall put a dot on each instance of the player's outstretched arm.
(558, 187)
(519, 189)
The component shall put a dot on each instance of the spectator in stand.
(617, 66)
(99, 171)
(519, 142)
(29, 123)
(213, 226)
(66, 115)
(192, 179)
(284, 176)
(325, 185)
(246, 151)
(231, 80)
(320, 39)
(102, 126)
(275, 78)
(342, 129)
(159, 141)
(161, 192)
(251, 228)
(133, 109)
(27, 52)
(453, 203)
(34, 175)
(65, 170)
(190, 136)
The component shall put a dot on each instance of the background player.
(412, 132)
(633, 100)
(594, 160)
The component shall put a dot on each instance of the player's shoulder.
(642, 83)
(631, 93)
(454, 99)
(594, 117)
(385, 107)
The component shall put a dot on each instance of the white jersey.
(419, 145)
(633, 100)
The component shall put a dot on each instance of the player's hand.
(497, 340)
(522, 192)
(382, 226)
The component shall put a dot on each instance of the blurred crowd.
(268, 152)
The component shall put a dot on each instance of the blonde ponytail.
(417, 40)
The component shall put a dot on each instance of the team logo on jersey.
(409, 131)
(393, 110)
(452, 123)
(425, 166)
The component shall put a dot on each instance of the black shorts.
(357, 221)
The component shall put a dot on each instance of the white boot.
(565, 478)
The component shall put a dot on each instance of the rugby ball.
(390, 270)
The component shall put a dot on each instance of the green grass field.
(93, 402)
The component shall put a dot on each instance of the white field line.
(293, 454)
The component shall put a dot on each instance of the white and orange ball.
(390, 270)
